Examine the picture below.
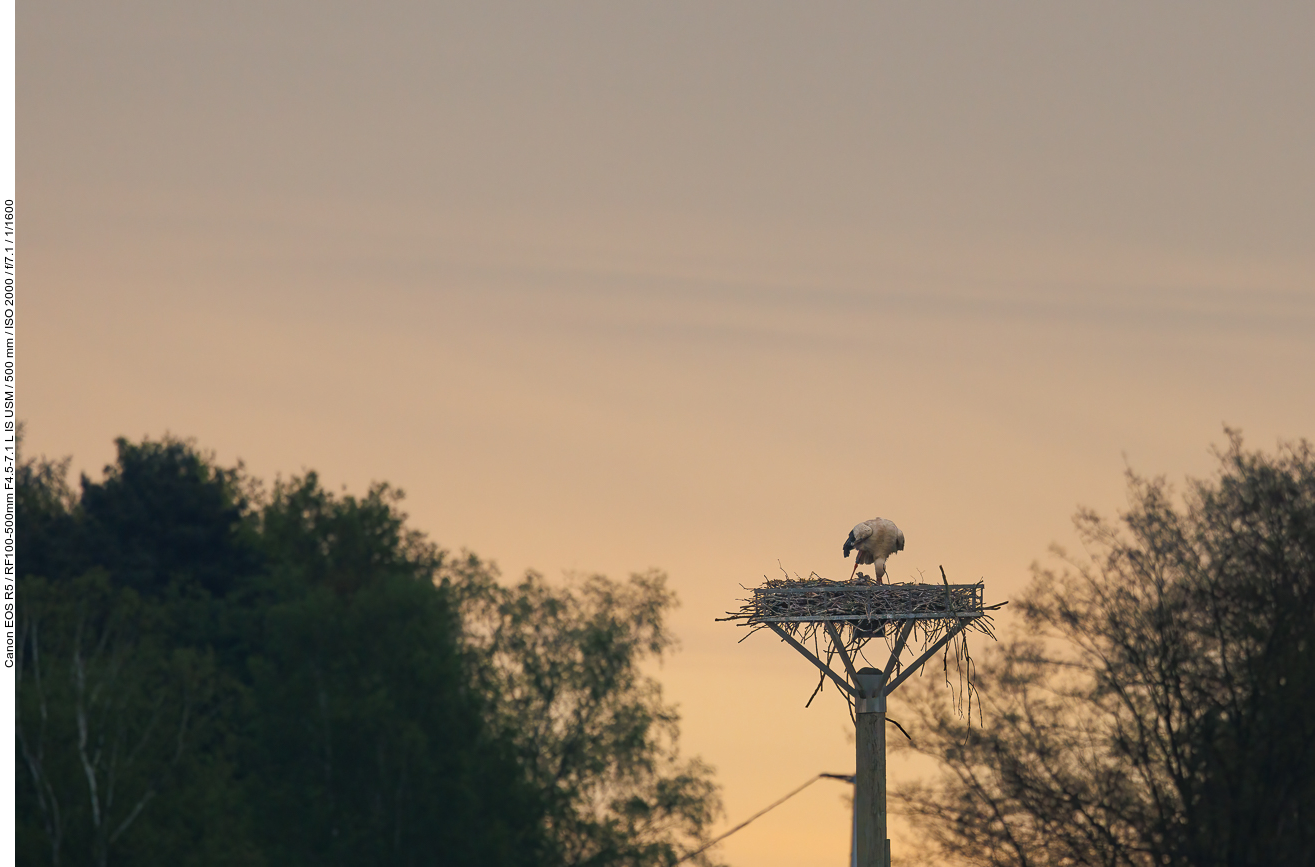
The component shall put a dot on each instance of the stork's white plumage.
(874, 541)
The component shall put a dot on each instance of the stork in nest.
(874, 541)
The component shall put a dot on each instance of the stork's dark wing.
(857, 535)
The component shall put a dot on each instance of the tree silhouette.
(1161, 705)
(212, 673)
(562, 665)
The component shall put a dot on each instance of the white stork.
(874, 541)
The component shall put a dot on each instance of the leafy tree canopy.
(213, 673)
(562, 666)
(1160, 705)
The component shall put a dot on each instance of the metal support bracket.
(840, 649)
(894, 655)
(874, 702)
(931, 651)
(826, 669)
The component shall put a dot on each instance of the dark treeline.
(212, 673)
(1158, 707)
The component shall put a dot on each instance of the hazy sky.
(687, 285)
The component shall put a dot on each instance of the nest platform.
(841, 618)
(807, 600)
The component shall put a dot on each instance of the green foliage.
(47, 527)
(110, 715)
(369, 747)
(564, 665)
(165, 519)
(1161, 708)
(312, 538)
(366, 736)
(212, 675)
(123, 707)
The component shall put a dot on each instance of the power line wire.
(766, 809)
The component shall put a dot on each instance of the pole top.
(871, 698)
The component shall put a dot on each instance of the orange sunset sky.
(606, 286)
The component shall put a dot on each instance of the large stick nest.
(793, 602)
(862, 610)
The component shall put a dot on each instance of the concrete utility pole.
(872, 847)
